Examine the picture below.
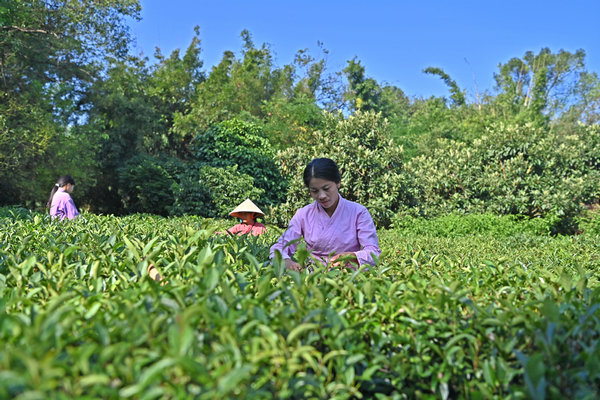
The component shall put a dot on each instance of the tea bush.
(468, 312)
(453, 225)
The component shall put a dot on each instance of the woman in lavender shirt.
(337, 231)
(61, 204)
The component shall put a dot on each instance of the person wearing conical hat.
(247, 212)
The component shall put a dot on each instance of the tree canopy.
(74, 99)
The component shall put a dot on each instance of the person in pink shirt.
(60, 203)
(247, 211)
(337, 231)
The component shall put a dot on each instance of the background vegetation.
(143, 135)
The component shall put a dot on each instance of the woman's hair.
(323, 168)
(62, 181)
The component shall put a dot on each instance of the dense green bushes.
(232, 161)
(145, 184)
(454, 225)
(528, 170)
(512, 169)
(240, 143)
(471, 312)
(371, 166)
(528, 148)
(213, 191)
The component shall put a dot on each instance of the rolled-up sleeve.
(367, 238)
(291, 234)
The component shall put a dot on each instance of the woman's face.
(69, 187)
(325, 193)
(247, 217)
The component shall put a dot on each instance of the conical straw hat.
(246, 206)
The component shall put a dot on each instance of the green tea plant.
(457, 313)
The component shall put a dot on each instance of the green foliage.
(251, 87)
(365, 94)
(589, 220)
(69, 152)
(371, 166)
(51, 52)
(522, 170)
(26, 129)
(236, 86)
(474, 315)
(458, 95)
(289, 122)
(171, 88)
(73, 101)
(26, 133)
(126, 119)
(123, 112)
(72, 152)
(427, 122)
(539, 84)
(213, 191)
(240, 143)
(455, 225)
(145, 184)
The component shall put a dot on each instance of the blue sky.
(394, 40)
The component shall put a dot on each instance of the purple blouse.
(350, 228)
(63, 205)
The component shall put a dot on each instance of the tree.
(236, 142)
(365, 94)
(172, 86)
(313, 82)
(541, 85)
(124, 116)
(457, 95)
(59, 48)
(290, 121)
(236, 88)
(585, 106)
(50, 54)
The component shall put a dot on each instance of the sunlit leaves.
(478, 309)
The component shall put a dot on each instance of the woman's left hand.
(345, 259)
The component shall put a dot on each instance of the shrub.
(145, 184)
(455, 225)
(468, 317)
(213, 191)
(370, 164)
(513, 169)
(236, 142)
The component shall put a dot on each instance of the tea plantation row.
(459, 307)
